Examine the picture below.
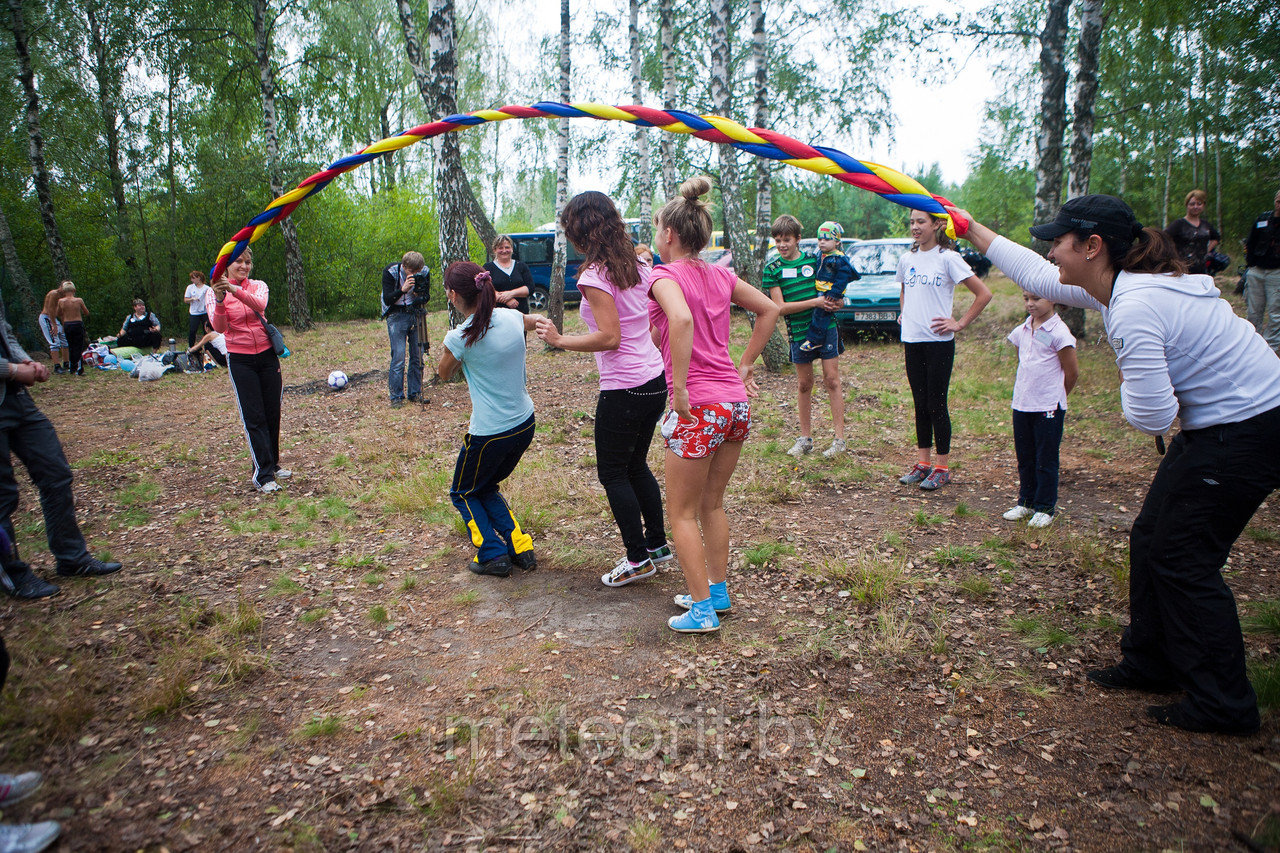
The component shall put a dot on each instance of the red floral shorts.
(713, 425)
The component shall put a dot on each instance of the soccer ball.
(337, 380)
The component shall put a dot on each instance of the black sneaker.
(91, 569)
(23, 583)
(1119, 678)
(499, 567)
(525, 560)
(1178, 717)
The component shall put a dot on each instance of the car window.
(877, 258)
(533, 250)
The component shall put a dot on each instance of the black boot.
(19, 581)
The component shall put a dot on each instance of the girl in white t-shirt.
(928, 275)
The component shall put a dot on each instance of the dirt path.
(321, 671)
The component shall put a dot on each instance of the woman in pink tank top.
(710, 416)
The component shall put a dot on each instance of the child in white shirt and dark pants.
(1047, 371)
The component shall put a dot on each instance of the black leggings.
(625, 421)
(929, 366)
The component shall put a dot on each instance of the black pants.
(141, 340)
(625, 420)
(259, 388)
(28, 434)
(929, 366)
(74, 330)
(1183, 624)
(1036, 439)
(195, 328)
(484, 461)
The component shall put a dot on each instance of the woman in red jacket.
(236, 303)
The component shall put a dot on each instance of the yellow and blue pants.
(484, 461)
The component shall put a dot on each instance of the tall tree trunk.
(555, 309)
(1087, 49)
(295, 280)
(35, 141)
(170, 176)
(776, 355)
(642, 133)
(438, 87)
(28, 305)
(666, 142)
(1053, 108)
(389, 160)
(107, 73)
(735, 219)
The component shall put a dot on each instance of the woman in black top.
(1193, 237)
(140, 329)
(511, 278)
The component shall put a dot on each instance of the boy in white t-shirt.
(1047, 371)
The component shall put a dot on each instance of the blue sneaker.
(694, 622)
(721, 606)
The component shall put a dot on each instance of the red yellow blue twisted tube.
(888, 183)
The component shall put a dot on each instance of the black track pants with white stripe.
(259, 388)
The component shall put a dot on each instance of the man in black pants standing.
(25, 430)
(405, 287)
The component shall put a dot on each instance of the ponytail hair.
(1153, 253)
(474, 286)
(688, 216)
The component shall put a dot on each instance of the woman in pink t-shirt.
(615, 307)
(710, 416)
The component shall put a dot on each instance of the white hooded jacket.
(1182, 351)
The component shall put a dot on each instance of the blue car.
(538, 250)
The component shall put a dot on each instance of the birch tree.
(666, 47)
(17, 26)
(642, 133)
(730, 181)
(295, 280)
(1087, 51)
(1053, 107)
(28, 306)
(775, 352)
(555, 308)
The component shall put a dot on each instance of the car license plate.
(873, 316)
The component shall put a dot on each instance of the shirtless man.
(52, 331)
(72, 313)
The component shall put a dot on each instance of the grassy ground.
(319, 670)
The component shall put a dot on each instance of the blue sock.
(720, 594)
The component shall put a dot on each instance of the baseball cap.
(830, 230)
(1104, 215)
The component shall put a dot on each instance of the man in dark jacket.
(405, 287)
(25, 431)
(1262, 288)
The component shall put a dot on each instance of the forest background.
(143, 133)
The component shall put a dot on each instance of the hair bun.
(695, 187)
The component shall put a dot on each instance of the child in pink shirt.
(710, 416)
(1047, 371)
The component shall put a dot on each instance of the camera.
(421, 286)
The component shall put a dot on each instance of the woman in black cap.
(1183, 353)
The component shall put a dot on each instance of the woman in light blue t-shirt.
(489, 346)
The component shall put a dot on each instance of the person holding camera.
(405, 288)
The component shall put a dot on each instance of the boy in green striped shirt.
(789, 280)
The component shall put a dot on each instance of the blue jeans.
(402, 329)
(1036, 439)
